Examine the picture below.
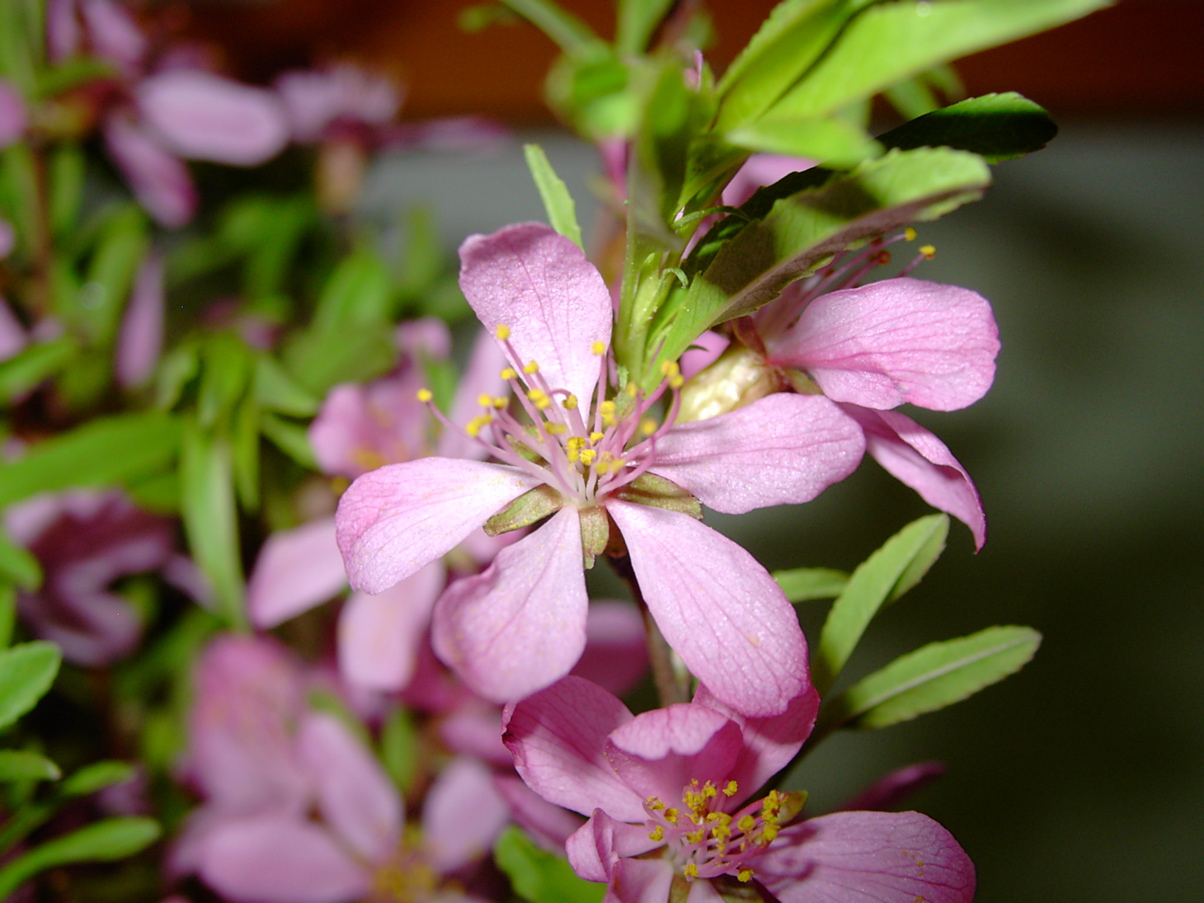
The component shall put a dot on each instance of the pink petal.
(895, 341)
(394, 520)
(769, 744)
(548, 824)
(355, 796)
(540, 285)
(114, 33)
(482, 376)
(717, 607)
(379, 635)
(12, 333)
(661, 751)
(203, 116)
(867, 857)
(462, 815)
(891, 789)
(296, 570)
(760, 170)
(159, 179)
(362, 427)
(917, 458)
(13, 116)
(781, 449)
(62, 29)
(141, 338)
(557, 738)
(520, 625)
(276, 859)
(602, 843)
(642, 880)
(616, 647)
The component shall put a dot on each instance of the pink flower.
(13, 115)
(599, 468)
(298, 810)
(667, 795)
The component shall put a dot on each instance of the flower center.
(406, 877)
(583, 453)
(706, 841)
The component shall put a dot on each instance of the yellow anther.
(509, 373)
(731, 789)
(928, 251)
(587, 456)
(909, 233)
(570, 403)
(539, 398)
(500, 403)
(670, 368)
(485, 400)
(631, 389)
(768, 833)
(746, 823)
(598, 348)
(657, 834)
(744, 875)
(424, 395)
(695, 836)
(690, 871)
(530, 367)
(607, 411)
(596, 437)
(709, 791)
(671, 816)
(502, 332)
(654, 802)
(555, 429)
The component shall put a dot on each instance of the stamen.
(502, 332)
(425, 396)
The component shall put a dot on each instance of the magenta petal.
(12, 333)
(482, 376)
(141, 338)
(616, 646)
(781, 449)
(867, 857)
(917, 458)
(661, 751)
(296, 570)
(892, 789)
(394, 520)
(276, 859)
(355, 796)
(601, 844)
(462, 815)
(13, 116)
(379, 635)
(520, 625)
(203, 116)
(643, 881)
(158, 178)
(548, 824)
(717, 607)
(540, 285)
(114, 32)
(557, 738)
(361, 427)
(895, 341)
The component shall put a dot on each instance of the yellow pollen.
(658, 834)
(500, 403)
(485, 401)
(474, 426)
(631, 390)
(909, 233)
(596, 437)
(744, 875)
(502, 332)
(570, 403)
(598, 348)
(690, 871)
(731, 789)
(555, 429)
(929, 251)
(671, 816)
(746, 823)
(768, 833)
(424, 395)
(509, 373)
(539, 398)
(654, 802)
(530, 367)
(587, 456)
(695, 836)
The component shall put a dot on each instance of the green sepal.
(400, 748)
(557, 202)
(806, 584)
(25, 765)
(595, 534)
(880, 579)
(533, 505)
(997, 127)
(539, 876)
(654, 490)
(931, 678)
(26, 673)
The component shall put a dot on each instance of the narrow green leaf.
(96, 776)
(400, 748)
(358, 294)
(96, 308)
(892, 41)
(933, 677)
(227, 365)
(290, 438)
(539, 876)
(566, 30)
(103, 841)
(805, 584)
(210, 517)
(996, 126)
(26, 673)
(24, 372)
(637, 21)
(276, 391)
(245, 427)
(8, 613)
(837, 142)
(108, 450)
(562, 212)
(66, 183)
(895, 567)
(18, 565)
(23, 765)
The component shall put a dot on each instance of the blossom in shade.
(667, 793)
(296, 808)
(86, 540)
(601, 471)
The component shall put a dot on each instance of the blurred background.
(1082, 778)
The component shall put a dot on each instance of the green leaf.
(18, 565)
(103, 841)
(210, 517)
(787, 229)
(23, 765)
(66, 183)
(569, 32)
(95, 310)
(805, 584)
(562, 212)
(996, 126)
(8, 613)
(276, 391)
(539, 876)
(107, 450)
(892, 41)
(835, 141)
(358, 293)
(637, 21)
(97, 776)
(400, 748)
(227, 365)
(880, 579)
(291, 439)
(24, 372)
(26, 673)
(932, 677)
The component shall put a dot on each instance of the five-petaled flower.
(603, 475)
